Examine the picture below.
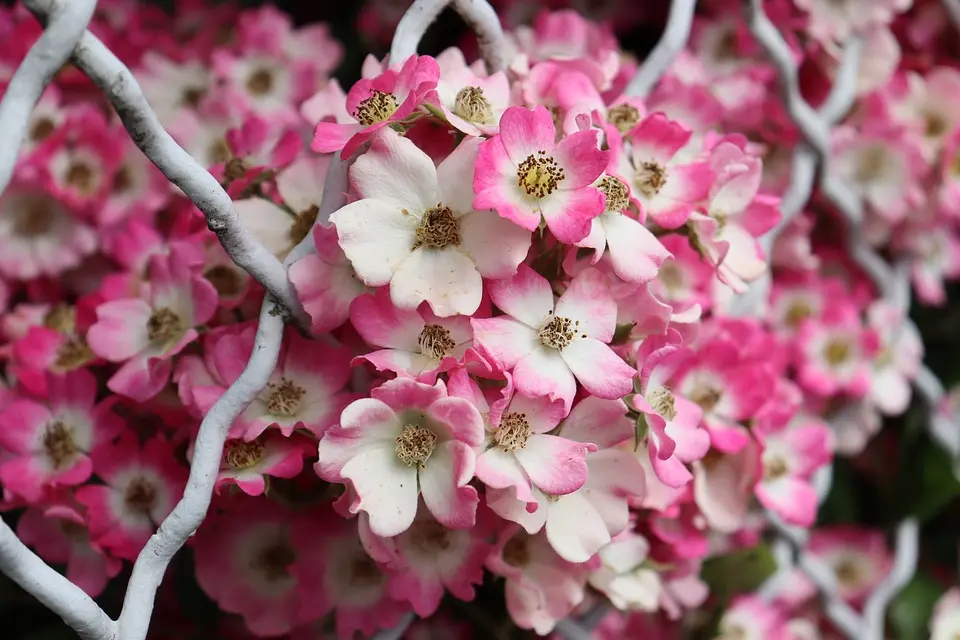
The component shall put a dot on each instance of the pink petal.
(496, 245)
(22, 425)
(601, 372)
(121, 329)
(557, 466)
(791, 498)
(402, 394)
(386, 489)
(602, 422)
(581, 159)
(527, 296)
(658, 139)
(636, 254)
(444, 484)
(569, 213)
(382, 324)
(365, 423)
(26, 476)
(141, 378)
(504, 339)
(524, 132)
(332, 136)
(460, 417)
(496, 187)
(543, 372)
(394, 170)
(325, 290)
(499, 469)
(588, 301)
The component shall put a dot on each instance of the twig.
(674, 39)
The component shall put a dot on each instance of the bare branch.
(57, 593)
(953, 10)
(675, 37)
(904, 566)
(118, 83)
(41, 63)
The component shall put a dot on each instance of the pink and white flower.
(832, 21)
(835, 353)
(49, 444)
(471, 103)
(247, 464)
(898, 358)
(527, 177)
(377, 103)
(550, 345)
(751, 618)
(416, 228)
(142, 485)
(407, 439)
(945, 622)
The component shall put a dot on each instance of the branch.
(674, 39)
(57, 593)
(48, 54)
(118, 83)
(478, 14)
(953, 10)
(904, 566)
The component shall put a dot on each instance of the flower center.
(623, 116)
(140, 496)
(471, 105)
(164, 325)
(260, 82)
(558, 332)
(616, 193)
(837, 351)
(774, 467)
(663, 403)
(273, 560)
(75, 532)
(243, 455)
(58, 443)
(650, 178)
(284, 398)
(935, 124)
(513, 432)
(225, 280)
(61, 317)
(302, 225)
(671, 276)
(81, 176)
(797, 312)
(733, 632)
(415, 445)
(41, 129)
(430, 536)
(377, 108)
(364, 571)
(516, 552)
(871, 164)
(36, 219)
(73, 353)
(438, 228)
(848, 572)
(436, 341)
(191, 96)
(707, 396)
(539, 175)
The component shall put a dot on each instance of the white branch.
(41, 63)
(118, 83)
(953, 10)
(904, 566)
(675, 37)
(57, 593)
(478, 14)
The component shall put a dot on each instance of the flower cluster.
(522, 360)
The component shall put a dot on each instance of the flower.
(416, 228)
(527, 177)
(246, 464)
(407, 439)
(550, 346)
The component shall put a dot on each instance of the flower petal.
(445, 485)
(386, 489)
(445, 278)
(527, 296)
(588, 301)
(394, 170)
(557, 466)
(601, 372)
(376, 237)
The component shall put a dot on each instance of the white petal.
(445, 278)
(376, 237)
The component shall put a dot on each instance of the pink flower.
(142, 486)
(675, 438)
(935, 257)
(378, 102)
(723, 486)
(830, 20)
(244, 560)
(580, 523)
(416, 228)
(945, 622)
(51, 442)
(527, 177)
(339, 575)
(407, 439)
(622, 577)
(59, 534)
(751, 618)
(835, 352)
(550, 346)
(541, 587)
(471, 103)
(39, 235)
(326, 282)
(145, 334)
(246, 464)
(662, 182)
(898, 359)
(519, 453)
(417, 344)
(429, 559)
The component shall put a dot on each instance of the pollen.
(140, 496)
(623, 116)
(513, 432)
(797, 312)
(430, 536)
(42, 129)
(438, 228)
(436, 341)
(774, 467)
(616, 193)
(164, 325)
(243, 455)
(663, 403)
(81, 176)
(837, 351)
(517, 551)
(471, 105)
(58, 443)
(273, 561)
(415, 445)
(706, 396)
(73, 353)
(539, 175)
(285, 397)
(377, 108)
(260, 82)
(61, 317)
(303, 224)
(558, 332)
(225, 280)
(650, 178)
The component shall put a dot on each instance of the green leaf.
(938, 483)
(911, 610)
(738, 572)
